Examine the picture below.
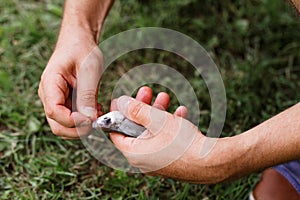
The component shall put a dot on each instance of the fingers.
(144, 95)
(166, 139)
(82, 127)
(139, 111)
(114, 105)
(63, 73)
(181, 111)
(62, 131)
(150, 117)
(162, 101)
(53, 92)
(134, 110)
(122, 142)
(88, 78)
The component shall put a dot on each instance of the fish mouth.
(95, 125)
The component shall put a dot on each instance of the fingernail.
(123, 102)
(88, 111)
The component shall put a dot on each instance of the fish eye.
(107, 121)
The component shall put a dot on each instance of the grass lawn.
(255, 44)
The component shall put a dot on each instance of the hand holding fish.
(169, 142)
(172, 146)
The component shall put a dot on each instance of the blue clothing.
(291, 171)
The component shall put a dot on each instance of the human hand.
(203, 160)
(168, 141)
(173, 147)
(77, 62)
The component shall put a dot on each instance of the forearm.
(274, 141)
(84, 16)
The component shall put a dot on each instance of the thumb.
(134, 110)
(88, 78)
(148, 116)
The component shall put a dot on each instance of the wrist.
(73, 36)
(236, 156)
(84, 16)
(220, 158)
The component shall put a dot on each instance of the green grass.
(256, 45)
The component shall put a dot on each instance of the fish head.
(109, 121)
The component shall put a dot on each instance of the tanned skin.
(274, 141)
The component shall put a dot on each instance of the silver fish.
(116, 122)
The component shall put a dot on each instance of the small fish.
(116, 122)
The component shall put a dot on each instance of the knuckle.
(49, 112)
(136, 111)
(56, 130)
(159, 106)
(88, 95)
